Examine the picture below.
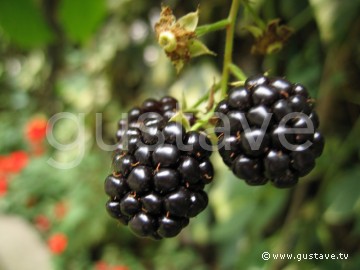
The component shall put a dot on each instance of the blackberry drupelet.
(159, 171)
(252, 130)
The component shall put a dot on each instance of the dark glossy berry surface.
(239, 98)
(115, 186)
(169, 227)
(159, 171)
(276, 163)
(150, 105)
(256, 80)
(189, 170)
(166, 180)
(299, 89)
(174, 133)
(222, 107)
(264, 95)
(280, 109)
(235, 122)
(123, 164)
(249, 169)
(140, 179)
(283, 87)
(258, 116)
(142, 224)
(303, 160)
(255, 142)
(169, 100)
(318, 144)
(198, 144)
(288, 179)
(143, 155)
(273, 136)
(229, 148)
(113, 208)
(130, 205)
(152, 203)
(166, 155)
(198, 202)
(206, 171)
(134, 114)
(178, 202)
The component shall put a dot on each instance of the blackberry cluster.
(260, 99)
(165, 108)
(159, 172)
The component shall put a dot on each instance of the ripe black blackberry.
(150, 110)
(159, 172)
(279, 155)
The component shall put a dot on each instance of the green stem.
(229, 42)
(207, 28)
(301, 19)
(205, 97)
(204, 120)
(237, 72)
(254, 15)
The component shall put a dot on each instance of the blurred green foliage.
(101, 56)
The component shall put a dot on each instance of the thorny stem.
(229, 42)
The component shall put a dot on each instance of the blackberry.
(159, 171)
(260, 131)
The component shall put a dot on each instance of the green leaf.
(24, 24)
(81, 17)
(189, 21)
(343, 197)
(198, 48)
(181, 118)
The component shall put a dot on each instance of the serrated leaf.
(81, 17)
(24, 24)
(189, 21)
(197, 48)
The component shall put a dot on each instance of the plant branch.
(207, 28)
(229, 42)
(237, 72)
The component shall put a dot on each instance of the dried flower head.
(178, 38)
(272, 39)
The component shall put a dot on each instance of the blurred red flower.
(57, 243)
(101, 265)
(42, 222)
(3, 185)
(120, 267)
(60, 210)
(35, 130)
(14, 162)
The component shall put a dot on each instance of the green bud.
(167, 41)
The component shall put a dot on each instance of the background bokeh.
(92, 56)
